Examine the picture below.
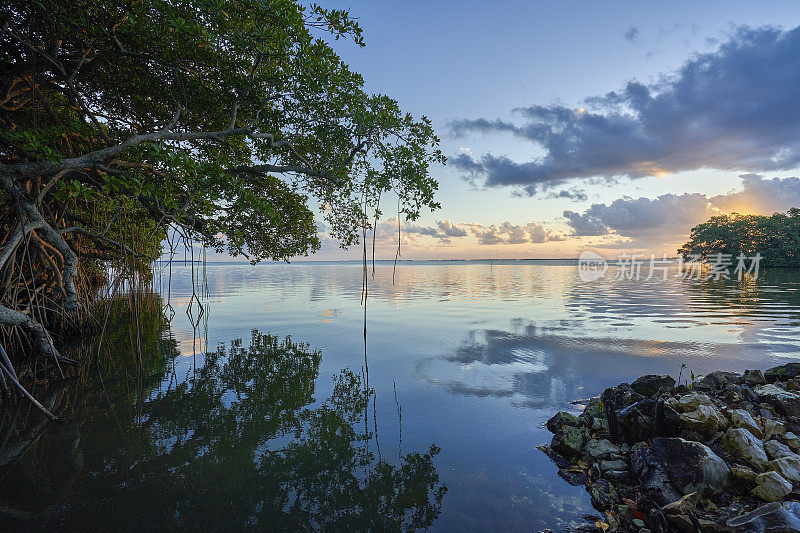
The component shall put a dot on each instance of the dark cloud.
(631, 33)
(737, 108)
(579, 195)
(585, 225)
(672, 215)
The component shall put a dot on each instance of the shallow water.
(472, 357)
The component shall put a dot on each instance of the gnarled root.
(37, 333)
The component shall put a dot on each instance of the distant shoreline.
(370, 261)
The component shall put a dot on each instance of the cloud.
(631, 33)
(671, 216)
(736, 108)
(444, 230)
(759, 195)
(585, 225)
(578, 195)
(447, 232)
(508, 233)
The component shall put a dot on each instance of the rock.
(625, 513)
(744, 474)
(638, 522)
(771, 487)
(753, 378)
(785, 402)
(691, 466)
(718, 380)
(677, 512)
(574, 476)
(744, 445)
(615, 464)
(667, 419)
(682, 523)
(650, 384)
(773, 428)
(705, 419)
(690, 402)
(793, 441)
(561, 419)
(617, 475)
(787, 467)
(776, 449)
(568, 441)
(652, 477)
(602, 449)
(603, 494)
(594, 409)
(770, 517)
(782, 373)
(742, 419)
(685, 503)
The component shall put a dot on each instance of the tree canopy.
(231, 122)
(775, 237)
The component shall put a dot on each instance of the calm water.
(470, 357)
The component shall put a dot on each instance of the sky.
(569, 126)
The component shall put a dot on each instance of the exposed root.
(38, 334)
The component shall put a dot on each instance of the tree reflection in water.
(240, 445)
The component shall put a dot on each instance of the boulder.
(652, 477)
(772, 428)
(753, 378)
(743, 474)
(666, 419)
(744, 445)
(770, 517)
(718, 380)
(562, 419)
(777, 449)
(568, 441)
(792, 440)
(677, 512)
(603, 494)
(742, 419)
(784, 402)
(771, 487)
(788, 467)
(690, 402)
(691, 466)
(782, 373)
(593, 409)
(602, 449)
(617, 475)
(705, 419)
(615, 464)
(650, 384)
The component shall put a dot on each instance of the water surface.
(470, 357)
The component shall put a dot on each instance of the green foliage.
(97, 73)
(775, 237)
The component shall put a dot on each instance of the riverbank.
(721, 454)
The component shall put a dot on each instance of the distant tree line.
(775, 237)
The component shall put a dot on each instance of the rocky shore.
(721, 454)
